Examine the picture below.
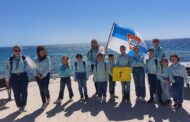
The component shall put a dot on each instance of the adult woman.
(17, 77)
(42, 74)
(92, 58)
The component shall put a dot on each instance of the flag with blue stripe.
(127, 37)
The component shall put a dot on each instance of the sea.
(178, 46)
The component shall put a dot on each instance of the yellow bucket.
(121, 74)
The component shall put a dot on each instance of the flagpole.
(109, 37)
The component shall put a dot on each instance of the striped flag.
(127, 37)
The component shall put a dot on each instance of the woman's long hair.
(163, 59)
(41, 48)
(67, 64)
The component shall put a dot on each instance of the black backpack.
(11, 61)
(84, 64)
(104, 66)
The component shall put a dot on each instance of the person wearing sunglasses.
(17, 78)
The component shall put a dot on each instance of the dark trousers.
(65, 81)
(95, 83)
(111, 86)
(102, 89)
(139, 79)
(19, 84)
(44, 88)
(81, 78)
(178, 89)
(154, 86)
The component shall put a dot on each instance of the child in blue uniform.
(65, 73)
(81, 75)
(178, 76)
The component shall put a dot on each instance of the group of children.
(161, 76)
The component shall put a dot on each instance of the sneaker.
(104, 99)
(150, 100)
(48, 101)
(44, 105)
(142, 99)
(187, 85)
(21, 109)
(99, 99)
(81, 97)
(124, 99)
(175, 106)
(58, 101)
(86, 97)
(138, 99)
(111, 96)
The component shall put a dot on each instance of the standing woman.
(17, 78)
(178, 75)
(92, 58)
(42, 74)
(137, 64)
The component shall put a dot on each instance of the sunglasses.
(16, 50)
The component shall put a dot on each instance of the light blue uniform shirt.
(110, 67)
(163, 74)
(65, 71)
(79, 67)
(158, 52)
(151, 66)
(177, 70)
(137, 61)
(43, 67)
(101, 73)
(91, 55)
(123, 60)
(18, 66)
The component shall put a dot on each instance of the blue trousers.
(81, 78)
(95, 83)
(111, 86)
(139, 79)
(19, 84)
(65, 81)
(154, 86)
(178, 89)
(125, 89)
(102, 88)
(44, 88)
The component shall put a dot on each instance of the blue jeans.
(178, 89)
(44, 88)
(65, 81)
(154, 86)
(125, 89)
(102, 88)
(19, 84)
(139, 79)
(81, 78)
(111, 86)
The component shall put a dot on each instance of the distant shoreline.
(88, 43)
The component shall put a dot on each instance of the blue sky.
(33, 22)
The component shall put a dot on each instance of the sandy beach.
(90, 111)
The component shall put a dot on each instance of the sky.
(34, 22)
